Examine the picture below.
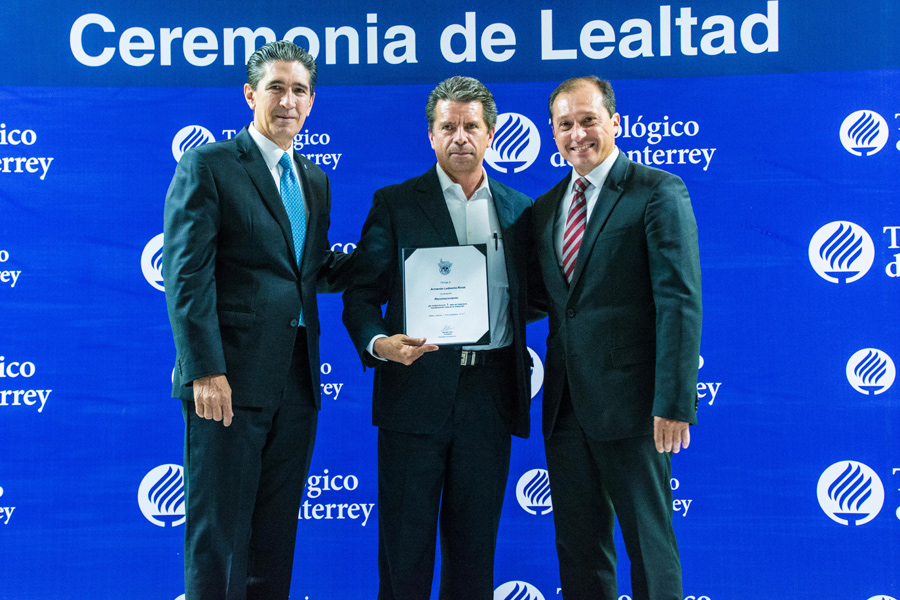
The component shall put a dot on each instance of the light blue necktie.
(292, 198)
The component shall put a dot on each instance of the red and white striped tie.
(575, 224)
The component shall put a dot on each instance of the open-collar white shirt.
(475, 221)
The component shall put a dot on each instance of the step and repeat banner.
(782, 116)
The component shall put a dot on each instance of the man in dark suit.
(618, 253)
(246, 248)
(444, 416)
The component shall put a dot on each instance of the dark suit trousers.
(455, 477)
(244, 484)
(595, 482)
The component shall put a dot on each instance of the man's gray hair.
(280, 50)
(569, 85)
(463, 89)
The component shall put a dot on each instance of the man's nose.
(289, 99)
(578, 132)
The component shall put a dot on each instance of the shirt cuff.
(371, 347)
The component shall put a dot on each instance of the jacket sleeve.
(537, 299)
(375, 270)
(674, 258)
(336, 268)
(189, 261)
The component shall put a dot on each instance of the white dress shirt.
(475, 221)
(596, 179)
(272, 154)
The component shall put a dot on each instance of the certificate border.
(485, 339)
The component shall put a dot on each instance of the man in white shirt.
(445, 413)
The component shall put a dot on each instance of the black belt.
(480, 358)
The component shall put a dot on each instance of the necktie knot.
(285, 163)
(581, 184)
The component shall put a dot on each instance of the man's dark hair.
(280, 50)
(463, 89)
(605, 87)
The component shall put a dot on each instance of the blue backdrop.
(783, 118)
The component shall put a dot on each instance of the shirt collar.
(598, 175)
(447, 183)
(270, 150)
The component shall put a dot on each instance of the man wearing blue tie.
(246, 249)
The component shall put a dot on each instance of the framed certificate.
(445, 294)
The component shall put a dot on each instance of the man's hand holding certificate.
(402, 349)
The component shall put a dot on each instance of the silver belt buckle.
(467, 358)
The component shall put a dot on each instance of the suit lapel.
(255, 166)
(546, 214)
(505, 214)
(430, 198)
(315, 205)
(506, 218)
(609, 196)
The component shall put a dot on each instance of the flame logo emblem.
(850, 493)
(871, 371)
(864, 133)
(517, 590)
(533, 492)
(190, 137)
(516, 144)
(151, 262)
(161, 495)
(841, 252)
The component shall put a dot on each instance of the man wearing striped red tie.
(619, 259)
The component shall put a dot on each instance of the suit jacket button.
(295, 322)
(570, 312)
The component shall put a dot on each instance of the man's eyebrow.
(282, 82)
